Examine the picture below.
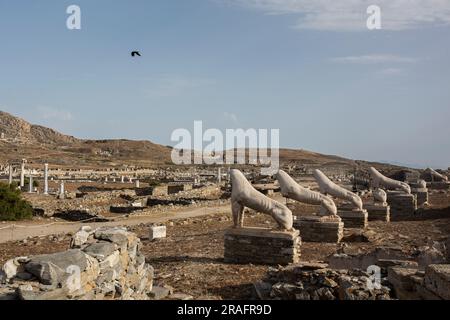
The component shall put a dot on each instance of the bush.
(12, 206)
(27, 183)
(151, 182)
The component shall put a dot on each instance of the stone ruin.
(292, 190)
(380, 181)
(420, 189)
(243, 194)
(316, 281)
(399, 197)
(432, 175)
(385, 273)
(351, 212)
(435, 180)
(324, 227)
(101, 264)
(259, 245)
(379, 208)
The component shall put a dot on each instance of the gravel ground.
(190, 259)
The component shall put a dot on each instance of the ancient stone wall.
(101, 264)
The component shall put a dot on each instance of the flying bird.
(135, 53)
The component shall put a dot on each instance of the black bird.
(135, 53)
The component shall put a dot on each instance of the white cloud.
(374, 59)
(174, 85)
(350, 15)
(48, 113)
(391, 72)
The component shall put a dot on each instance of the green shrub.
(27, 183)
(12, 206)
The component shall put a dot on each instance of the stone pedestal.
(378, 212)
(402, 204)
(421, 194)
(320, 229)
(353, 218)
(262, 246)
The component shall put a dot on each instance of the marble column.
(46, 178)
(22, 174)
(30, 184)
(10, 180)
(61, 190)
(219, 175)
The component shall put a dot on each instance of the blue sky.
(309, 68)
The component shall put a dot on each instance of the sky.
(310, 68)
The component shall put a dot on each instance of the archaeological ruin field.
(320, 228)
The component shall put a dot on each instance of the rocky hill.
(39, 144)
(17, 129)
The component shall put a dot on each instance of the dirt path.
(20, 231)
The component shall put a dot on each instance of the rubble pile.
(414, 284)
(206, 193)
(94, 203)
(315, 281)
(101, 264)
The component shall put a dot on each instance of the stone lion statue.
(243, 194)
(292, 190)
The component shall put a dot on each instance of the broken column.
(22, 173)
(219, 175)
(30, 184)
(46, 178)
(61, 190)
(10, 180)
(138, 184)
(262, 246)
